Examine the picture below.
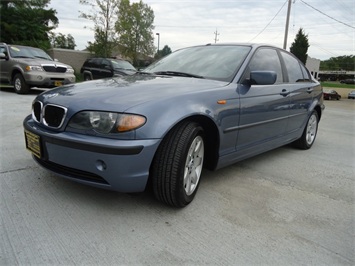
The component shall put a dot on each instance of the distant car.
(98, 68)
(351, 95)
(26, 67)
(203, 106)
(331, 94)
(348, 81)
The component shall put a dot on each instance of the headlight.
(70, 70)
(106, 122)
(34, 68)
(102, 122)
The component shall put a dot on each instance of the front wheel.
(308, 137)
(20, 85)
(178, 164)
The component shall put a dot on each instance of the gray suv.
(26, 67)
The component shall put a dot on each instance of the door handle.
(309, 90)
(284, 92)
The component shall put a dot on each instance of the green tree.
(27, 22)
(346, 63)
(62, 41)
(163, 52)
(104, 15)
(135, 30)
(300, 46)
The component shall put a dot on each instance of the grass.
(78, 76)
(336, 84)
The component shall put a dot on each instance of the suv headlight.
(34, 68)
(70, 70)
(106, 122)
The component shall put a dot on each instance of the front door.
(264, 109)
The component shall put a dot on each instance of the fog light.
(100, 165)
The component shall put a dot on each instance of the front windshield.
(28, 52)
(121, 64)
(220, 62)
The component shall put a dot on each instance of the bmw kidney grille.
(50, 115)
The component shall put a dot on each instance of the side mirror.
(261, 78)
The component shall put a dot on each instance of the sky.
(329, 24)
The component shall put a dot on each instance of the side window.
(306, 76)
(293, 68)
(266, 59)
(105, 64)
(96, 63)
(3, 50)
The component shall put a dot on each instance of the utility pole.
(158, 40)
(287, 22)
(215, 36)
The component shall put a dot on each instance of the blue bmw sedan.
(205, 106)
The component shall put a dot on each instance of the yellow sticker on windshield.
(15, 49)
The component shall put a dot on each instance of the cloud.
(185, 23)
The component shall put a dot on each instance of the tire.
(308, 137)
(87, 78)
(177, 165)
(20, 85)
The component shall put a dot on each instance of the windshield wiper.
(143, 73)
(179, 74)
(42, 57)
(21, 56)
(121, 68)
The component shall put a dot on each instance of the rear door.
(106, 68)
(301, 90)
(95, 68)
(264, 109)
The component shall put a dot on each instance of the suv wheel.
(20, 85)
(87, 77)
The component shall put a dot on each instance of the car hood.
(119, 94)
(38, 62)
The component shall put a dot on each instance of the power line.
(269, 22)
(327, 15)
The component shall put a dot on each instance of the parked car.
(26, 67)
(348, 81)
(204, 106)
(331, 94)
(351, 95)
(97, 68)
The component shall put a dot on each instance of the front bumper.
(48, 79)
(120, 165)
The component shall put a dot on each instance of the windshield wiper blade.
(144, 73)
(42, 57)
(179, 74)
(21, 56)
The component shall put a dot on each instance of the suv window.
(293, 68)
(89, 63)
(266, 59)
(105, 64)
(3, 50)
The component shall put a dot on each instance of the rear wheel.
(87, 77)
(309, 134)
(20, 85)
(178, 163)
